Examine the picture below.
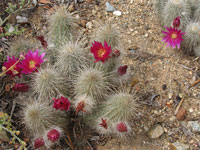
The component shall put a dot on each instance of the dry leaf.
(181, 114)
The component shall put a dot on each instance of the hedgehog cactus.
(191, 38)
(71, 58)
(37, 117)
(174, 8)
(47, 83)
(197, 14)
(61, 26)
(109, 33)
(121, 106)
(197, 51)
(94, 82)
(159, 6)
(20, 46)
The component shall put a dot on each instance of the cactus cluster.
(189, 13)
(85, 78)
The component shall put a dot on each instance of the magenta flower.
(122, 70)
(173, 37)
(53, 135)
(100, 52)
(121, 127)
(15, 70)
(177, 22)
(32, 61)
(61, 103)
(21, 87)
(39, 142)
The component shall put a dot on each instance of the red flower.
(32, 61)
(116, 53)
(177, 22)
(173, 37)
(21, 87)
(61, 103)
(39, 142)
(104, 123)
(122, 70)
(53, 135)
(80, 107)
(15, 70)
(42, 40)
(100, 52)
(121, 127)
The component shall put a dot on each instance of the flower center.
(174, 36)
(32, 64)
(101, 52)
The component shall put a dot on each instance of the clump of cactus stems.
(94, 82)
(47, 83)
(71, 58)
(174, 8)
(191, 38)
(20, 46)
(61, 26)
(38, 117)
(197, 51)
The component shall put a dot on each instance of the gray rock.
(11, 29)
(180, 146)
(109, 7)
(21, 19)
(155, 131)
(194, 126)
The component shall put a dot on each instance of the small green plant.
(61, 26)
(5, 124)
(47, 83)
(15, 31)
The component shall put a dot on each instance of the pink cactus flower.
(39, 142)
(61, 103)
(31, 62)
(15, 70)
(100, 52)
(122, 70)
(53, 135)
(173, 37)
(177, 22)
(21, 87)
(121, 127)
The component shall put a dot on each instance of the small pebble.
(164, 87)
(155, 132)
(117, 13)
(109, 7)
(21, 19)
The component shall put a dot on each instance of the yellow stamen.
(101, 52)
(32, 64)
(174, 36)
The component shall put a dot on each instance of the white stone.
(117, 13)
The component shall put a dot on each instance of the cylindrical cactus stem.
(38, 116)
(108, 32)
(47, 83)
(175, 8)
(197, 51)
(94, 82)
(61, 26)
(191, 38)
(71, 58)
(122, 106)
